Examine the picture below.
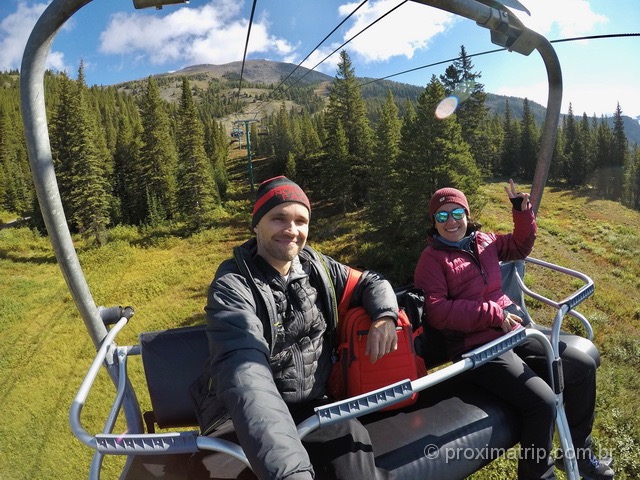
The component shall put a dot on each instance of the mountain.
(256, 71)
(261, 76)
(497, 104)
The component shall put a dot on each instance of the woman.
(459, 272)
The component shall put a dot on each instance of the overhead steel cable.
(343, 44)
(572, 39)
(313, 50)
(596, 37)
(429, 65)
(244, 56)
(352, 38)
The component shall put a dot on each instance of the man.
(271, 314)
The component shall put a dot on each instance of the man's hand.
(382, 338)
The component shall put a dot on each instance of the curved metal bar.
(34, 119)
(85, 387)
(569, 302)
(552, 118)
(564, 433)
(576, 297)
(224, 446)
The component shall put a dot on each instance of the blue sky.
(119, 43)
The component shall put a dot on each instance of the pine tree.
(559, 160)
(128, 173)
(283, 138)
(571, 137)
(337, 160)
(197, 193)
(158, 155)
(460, 81)
(347, 107)
(619, 155)
(582, 152)
(529, 140)
(90, 192)
(511, 145)
(631, 189)
(384, 173)
(602, 157)
(217, 148)
(61, 135)
(15, 196)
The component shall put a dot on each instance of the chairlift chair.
(415, 442)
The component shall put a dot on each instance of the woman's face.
(452, 230)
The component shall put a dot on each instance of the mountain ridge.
(258, 73)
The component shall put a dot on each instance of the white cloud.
(401, 33)
(565, 18)
(15, 29)
(213, 33)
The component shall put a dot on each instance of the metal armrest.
(378, 399)
(566, 305)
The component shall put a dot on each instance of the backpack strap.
(267, 323)
(352, 279)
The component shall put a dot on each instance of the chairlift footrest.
(147, 444)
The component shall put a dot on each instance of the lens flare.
(449, 105)
(446, 107)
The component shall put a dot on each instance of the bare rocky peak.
(263, 71)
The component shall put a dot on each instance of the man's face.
(282, 233)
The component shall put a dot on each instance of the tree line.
(140, 160)
(393, 165)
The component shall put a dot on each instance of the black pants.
(521, 384)
(342, 451)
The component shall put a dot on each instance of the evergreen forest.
(132, 157)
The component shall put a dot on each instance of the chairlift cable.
(244, 56)
(596, 37)
(341, 46)
(430, 65)
(356, 35)
(588, 37)
(313, 50)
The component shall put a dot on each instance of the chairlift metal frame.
(506, 30)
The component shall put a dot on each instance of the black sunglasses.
(457, 214)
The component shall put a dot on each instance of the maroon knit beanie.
(447, 195)
(275, 191)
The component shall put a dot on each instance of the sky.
(118, 43)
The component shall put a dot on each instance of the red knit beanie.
(275, 191)
(447, 195)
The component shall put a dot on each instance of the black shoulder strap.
(267, 326)
(329, 291)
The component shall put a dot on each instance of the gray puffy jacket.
(271, 344)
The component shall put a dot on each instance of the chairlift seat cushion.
(173, 359)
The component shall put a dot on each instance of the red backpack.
(353, 373)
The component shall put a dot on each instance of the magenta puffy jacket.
(463, 294)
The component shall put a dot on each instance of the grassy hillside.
(165, 276)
